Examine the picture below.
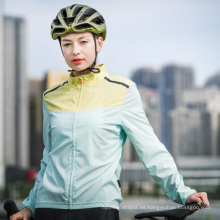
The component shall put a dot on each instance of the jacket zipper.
(73, 166)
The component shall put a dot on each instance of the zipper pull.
(81, 80)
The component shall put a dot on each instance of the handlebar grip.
(11, 208)
(179, 213)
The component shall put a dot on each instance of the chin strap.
(92, 69)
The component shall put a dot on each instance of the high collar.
(88, 79)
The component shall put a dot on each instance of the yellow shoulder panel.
(108, 92)
(57, 97)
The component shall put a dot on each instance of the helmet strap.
(60, 45)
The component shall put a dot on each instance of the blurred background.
(170, 49)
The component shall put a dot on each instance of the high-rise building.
(195, 127)
(207, 101)
(173, 80)
(2, 161)
(191, 132)
(213, 80)
(15, 94)
(146, 77)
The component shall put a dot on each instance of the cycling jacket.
(86, 122)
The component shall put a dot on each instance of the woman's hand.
(200, 197)
(24, 214)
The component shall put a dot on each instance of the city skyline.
(184, 32)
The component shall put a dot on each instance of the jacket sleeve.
(29, 202)
(152, 153)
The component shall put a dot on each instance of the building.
(146, 77)
(35, 122)
(191, 132)
(15, 90)
(173, 80)
(207, 101)
(128, 151)
(2, 162)
(195, 126)
(213, 80)
(200, 170)
(55, 77)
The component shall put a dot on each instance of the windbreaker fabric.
(86, 122)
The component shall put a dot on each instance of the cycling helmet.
(78, 18)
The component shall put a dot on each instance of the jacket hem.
(77, 205)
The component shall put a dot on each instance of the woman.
(86, 122)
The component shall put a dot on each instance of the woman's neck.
(79, 73)
(76, 73)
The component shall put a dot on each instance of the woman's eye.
(66, 45)
(83, 42)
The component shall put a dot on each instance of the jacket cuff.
(27, 204)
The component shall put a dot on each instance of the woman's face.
(79, 49)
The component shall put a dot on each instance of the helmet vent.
(89, 12)
(83, 27)
(69, 21)
(57, 22)
(63, 13)
(58, 30)
(98, 20)
(77, 10)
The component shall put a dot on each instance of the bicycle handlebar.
(172, 214)
(11, 208)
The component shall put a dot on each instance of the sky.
(141, 33)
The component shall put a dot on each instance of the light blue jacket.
(86, 122)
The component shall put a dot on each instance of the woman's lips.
(77, 61)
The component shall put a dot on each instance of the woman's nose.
(76, 49)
